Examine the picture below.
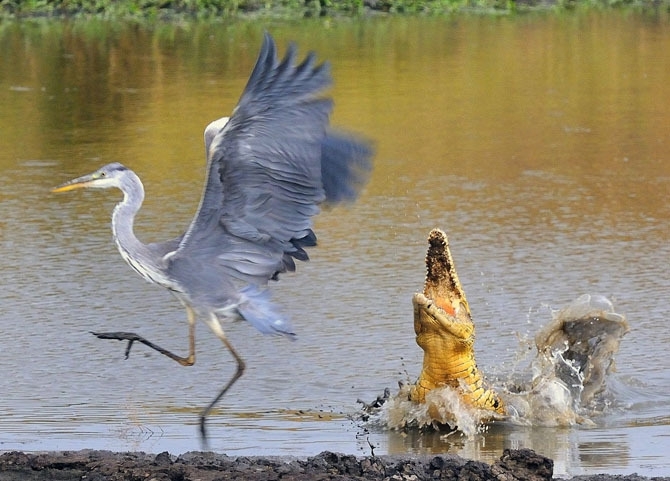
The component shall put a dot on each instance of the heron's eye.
(103, 174)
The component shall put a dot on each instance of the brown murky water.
(540, 143)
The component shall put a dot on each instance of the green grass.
(295, 8)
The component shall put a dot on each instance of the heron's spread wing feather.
(345, 166)
(264, 179)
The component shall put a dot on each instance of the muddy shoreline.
(90, 465)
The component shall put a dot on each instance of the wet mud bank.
(88, 465)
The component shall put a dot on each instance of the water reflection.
(538, 142)
(610, 452)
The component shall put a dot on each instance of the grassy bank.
(294, 8)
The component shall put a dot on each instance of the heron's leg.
(215, 326)
(131, 337)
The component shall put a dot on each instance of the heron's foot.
(131, 337)
(203, 433)
(121, 336)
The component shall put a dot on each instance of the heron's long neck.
(123, 217)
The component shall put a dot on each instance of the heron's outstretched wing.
(264, 180)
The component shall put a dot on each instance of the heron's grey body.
(269, 166)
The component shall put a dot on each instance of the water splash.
(443, 408)
(565, 384)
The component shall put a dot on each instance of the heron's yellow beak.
(78, 183)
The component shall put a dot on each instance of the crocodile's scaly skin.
(445, 331)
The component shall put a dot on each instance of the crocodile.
(446, 332)
(576, 349)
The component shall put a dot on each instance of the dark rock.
(163, 459)
(514, 465)
(523, 464)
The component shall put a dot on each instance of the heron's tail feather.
(346, 163)
(257, 308)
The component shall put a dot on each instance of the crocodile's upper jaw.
(442, 285)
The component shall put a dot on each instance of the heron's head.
(111, 175)
(212, 130)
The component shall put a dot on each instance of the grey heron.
(269, 167)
